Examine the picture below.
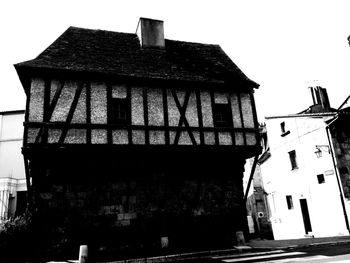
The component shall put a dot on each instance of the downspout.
(250, 178)
(336, 172)
(29, 187)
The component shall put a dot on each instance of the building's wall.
(280, 180)
(257, 204)
(341, 142)
(12, 173)
(241, 105)
(136, 195)
(340, 134)
(195, 201)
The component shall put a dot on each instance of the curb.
(183, 256)
(333, 243)
(206, 254)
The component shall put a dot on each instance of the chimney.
(150, 33)
(320, 97)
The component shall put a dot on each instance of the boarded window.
(293, 159)
(120, 111)
(222, 115)
(289, 202)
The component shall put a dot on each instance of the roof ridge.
(98, 30)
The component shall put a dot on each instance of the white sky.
(282, 45)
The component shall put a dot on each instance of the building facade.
(303, 172)
(12, 175)
(133, 140)
(258, 210)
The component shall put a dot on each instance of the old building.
(12, 176)
(133, 139)
(305, 171)
(258, 210)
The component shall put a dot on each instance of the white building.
(12, 174)
(301, 174)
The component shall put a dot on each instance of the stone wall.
(129, 204)
(341, 142)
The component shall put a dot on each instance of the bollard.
(240, 238)
(164, 242)
(83, 254)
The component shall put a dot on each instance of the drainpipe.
(336, 172)
(251, 177)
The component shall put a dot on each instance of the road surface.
(331, 253)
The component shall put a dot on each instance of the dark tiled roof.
(120, 54)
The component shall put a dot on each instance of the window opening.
(289, 202)
(293, 159)
(284, 132)
(120, 111)
(320, 179)
(222, 115)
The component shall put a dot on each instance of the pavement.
(296, 243)
(251, 245)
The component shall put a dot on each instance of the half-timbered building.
(134, 139)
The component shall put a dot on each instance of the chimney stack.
(320, 97)
(151, 33)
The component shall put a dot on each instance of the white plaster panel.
(79, 115)
(196, 137)
(185, 139)
(172, 135)
(220, 97)
(138, 137)
(54, 135)
(53, 88)
(239, 139)
(155, 107)
(98, 103)
(64, 102)
(225, 138)
(75, 136)
(156, 137)
(247, 111)
(181, 96)
(36, 103)
(173, 112)
(191, 111)
(99, 136)
(207, 113)
(119, 91)
(137, 114)
(120, 137)
(209, 138)
(236, 115)
(32, 134)
(250, 138)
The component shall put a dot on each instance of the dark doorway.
(306, 217)
(21, 203)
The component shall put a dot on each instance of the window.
(283, 129)
(222, 115)
(293, 160)
(289, 202)
(120, 111)
(320, 179)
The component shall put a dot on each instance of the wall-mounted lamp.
(320, 149)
